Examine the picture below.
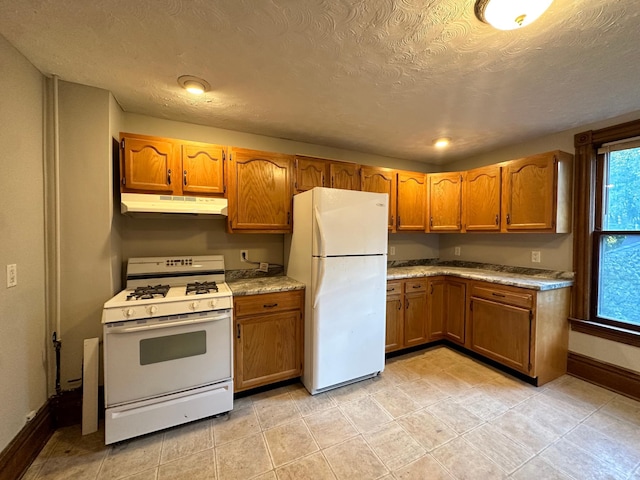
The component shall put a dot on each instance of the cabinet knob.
(406, 305)
(399, 305)
(497, 219)
(508, 219)
(184, 176)
(169, 177)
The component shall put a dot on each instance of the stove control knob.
(213, 303)
(128, 312)
(152, 309)
(194, 305)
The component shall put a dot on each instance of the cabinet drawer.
(394, 287)
(415, 286)
(518, 299)
(267, 303)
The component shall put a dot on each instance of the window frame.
(588, 177)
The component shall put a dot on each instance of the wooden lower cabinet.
(268, 338)
(406, 314)
(527, 330)
(447, 308)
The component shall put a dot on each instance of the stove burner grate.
(148, 292)
(199, 288)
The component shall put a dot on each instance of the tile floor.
(434, 414)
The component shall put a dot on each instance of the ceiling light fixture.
(194, 85)
(510, 14)
(442, 142)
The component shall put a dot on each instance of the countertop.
(537, 281)
(513, 276)
(255, 286)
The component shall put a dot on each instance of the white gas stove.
(167, 345)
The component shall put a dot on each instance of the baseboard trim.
(24, 448)
(613, 377)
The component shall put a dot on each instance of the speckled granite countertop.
(504, 275)
(255, 286)
(534, 279)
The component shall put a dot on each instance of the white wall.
(85, 206)
(22, 308)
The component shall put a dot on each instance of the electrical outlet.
(12, 275)
(535, 256)
(456, 251)
(264, 267)
(244, 255)
(392, 251)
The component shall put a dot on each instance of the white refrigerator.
(338, 249)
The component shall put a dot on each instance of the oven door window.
(172, 347)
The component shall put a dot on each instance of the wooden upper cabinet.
(412, 194)
(445, 202)
(309, 173)
(344, 175)
(481, 199)
(381, 180)
(149, 165)
(259, 191)
(202, 169)
(536, 193)
(175, 167)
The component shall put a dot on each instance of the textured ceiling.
(378, 76)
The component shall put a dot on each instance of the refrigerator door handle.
(320, 231)
(319, 283)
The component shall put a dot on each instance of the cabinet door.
(268, 349)
(481, 199)
(381, 180)
(202, 169)
(394, 318)
(259, 191)
(456, 310)
(412, 193)
(445, 202)
(529, 193)
(309, 173)
(502, 333)
(415, 312)
(345, 176)
(437, 288)
(149, 165)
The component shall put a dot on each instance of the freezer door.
(349, 222)
(347, 320)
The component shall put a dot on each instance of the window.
(616, 239)
(606, 233)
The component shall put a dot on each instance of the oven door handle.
(155, 326)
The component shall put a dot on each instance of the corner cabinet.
(259, 191)
(527, 330)
(172, 167)
(406, 314)
(268, 338)
(445, 202)
(447, 309)
(536, 193)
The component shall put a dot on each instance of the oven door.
(158, 356)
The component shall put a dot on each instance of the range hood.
(142, 203)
